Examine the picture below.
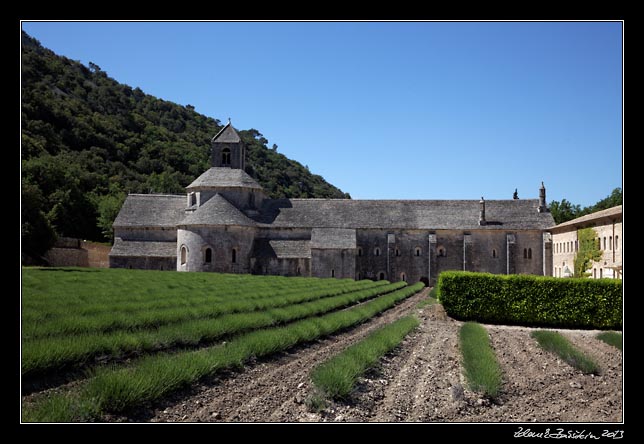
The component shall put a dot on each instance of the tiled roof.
(143, 248)
(217, 211)
(282, 249)
(333, 238)
(609, 212)
(151, 210)
(224, 177)
(515, 214)
(227, 134)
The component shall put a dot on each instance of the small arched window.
(381, 276)
(417, 251)
(442, 252)
(207, 255)
(616, 242)
(610, 243)
(525, 253)
(298, 272)
(397, 252)
(376, 251)
(493, 252)
(403, 277)
(359, 251)
(332, 273)
(604, 244)
(529, 253)
(225, 156)
(184, 255)
(234, 256)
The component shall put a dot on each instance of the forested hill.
(88, 140)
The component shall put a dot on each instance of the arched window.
(616, 242)
(225, 156)
(359, 276)
(332, 273)
(599, 244)
(576, 245)
(604, 244)
(298, 272)
(529, 253)
(397, 252)
(525, 253)
(376, 251)
(493, 252)
(234, 256)
(594, 273)
(207, 255)
(184, 255)
(417, 251)
(403, 277)
(601, 271)
(610, 243)
(381, 276)
(442, 252)
(359, 251)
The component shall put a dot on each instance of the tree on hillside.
(83, 133)
(587, 253)
(564, 211)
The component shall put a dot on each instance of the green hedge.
(531, 300)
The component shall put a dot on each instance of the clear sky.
(392, 110)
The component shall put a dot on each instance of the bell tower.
(228, 150)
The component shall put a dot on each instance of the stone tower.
(543, 206)
(228, 150)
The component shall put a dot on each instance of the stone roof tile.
(151, 210)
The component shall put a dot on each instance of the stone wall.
(70, 252)
(333, 263)
(222, 241)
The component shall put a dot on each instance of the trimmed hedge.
(531, 300)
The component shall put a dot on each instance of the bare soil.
(420, 381)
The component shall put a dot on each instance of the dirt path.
(421, 381)
(271, 390)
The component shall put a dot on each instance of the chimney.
(543, 208)
(482, 211)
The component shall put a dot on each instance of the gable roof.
(151, 210)
(515, 214)
(227, 134)
(282, 249)
(219, 177)
(143, 248)
(217, 211)
(609, 212)
(333, 238)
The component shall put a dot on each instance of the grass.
(337, 376)
(611, 338)
(482, 369)
(119, 388)
(50, 353)
(556, 343)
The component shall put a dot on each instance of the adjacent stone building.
(226, 223)
(608, 228)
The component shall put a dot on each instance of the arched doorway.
(425, 281)
(381, 276)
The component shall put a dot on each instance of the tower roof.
(217, 211)
(223, 177)
(227, 134)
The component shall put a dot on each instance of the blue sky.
(392, 110)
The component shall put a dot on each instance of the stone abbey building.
(226, 223)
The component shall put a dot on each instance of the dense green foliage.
(564, 211)
(88, 140)
(481, 367)
(587, 253)
(612, 338)
(336, 377)
(532, 300)
(556, 343)
(118, 388)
